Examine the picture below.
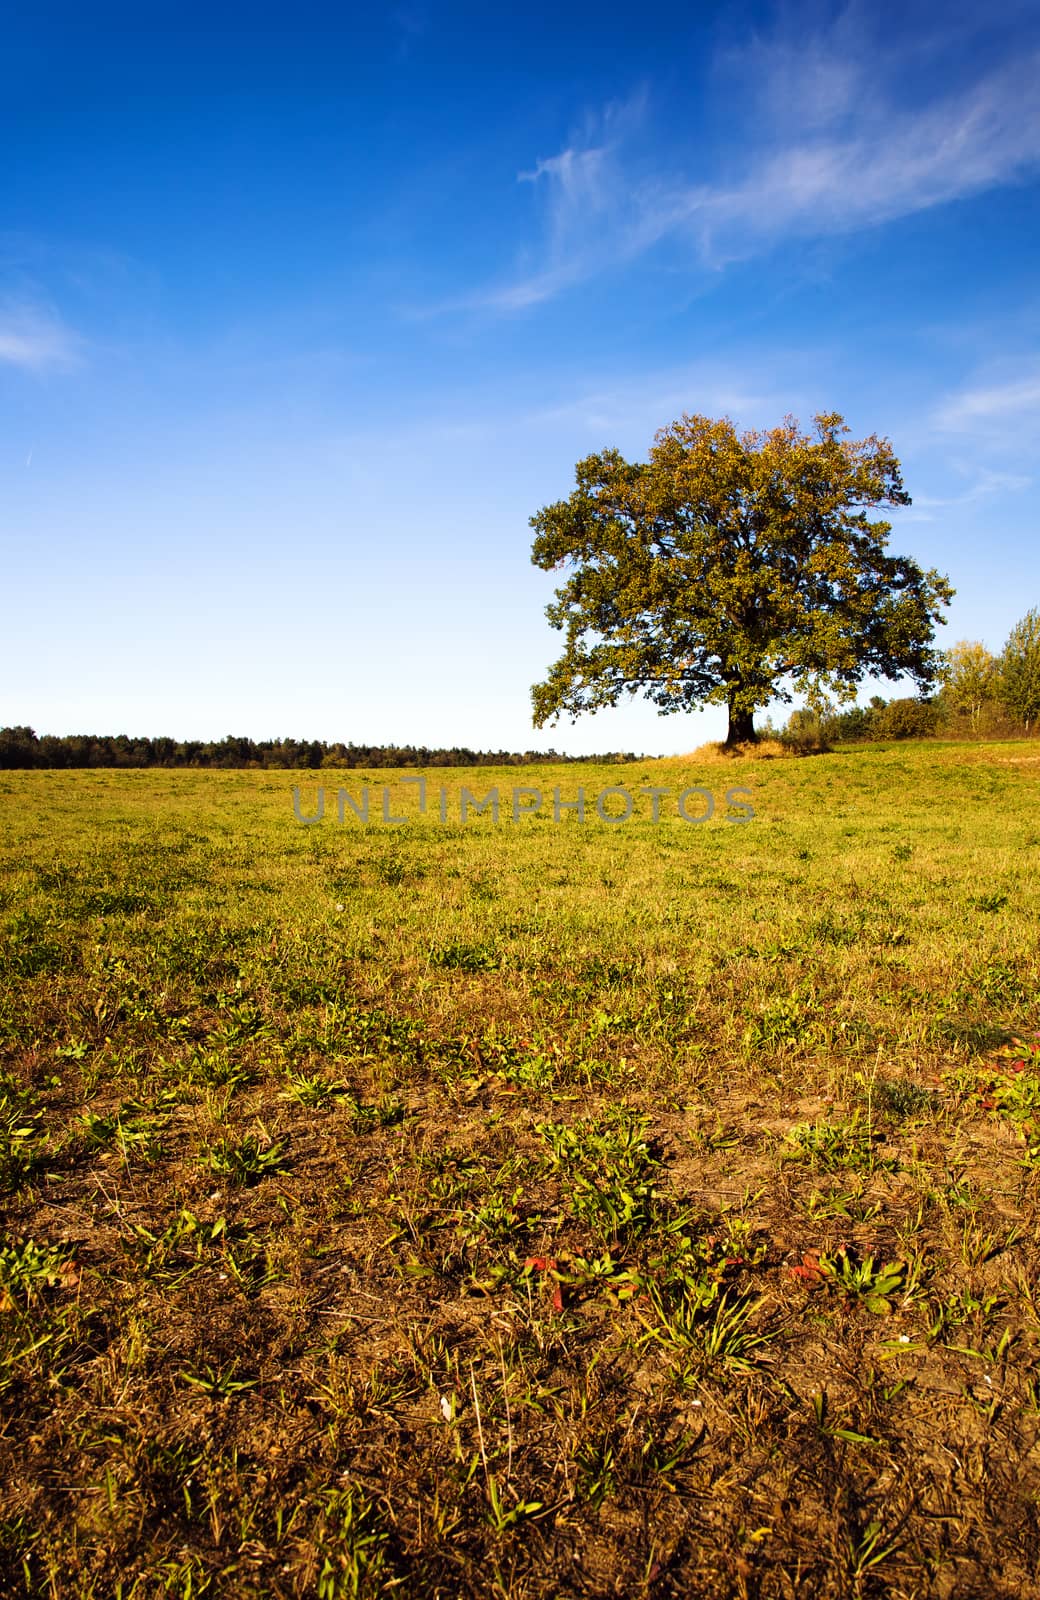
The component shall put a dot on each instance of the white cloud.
(985, 486)
(894, 166)
(36, 341)
(1013, 400)
(637, 406)
(858, 158)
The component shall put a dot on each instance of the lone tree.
(732, 569)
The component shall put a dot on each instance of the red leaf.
(808, 1269)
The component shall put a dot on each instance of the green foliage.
(693, 1319)
(969, 677)
(980, 693)
(28, 1268)
(219, 1383)
(903, 1097)
(905, 719)
(1019, 669)
(466, 957)
(352, 1549)
(313, 1089)
(784, 1021)
(246, 1161)
(19, 1119)
(610, 1172)
(874, 1284)
(1015, 1092)
(828, 1146)
(22, 747)
(728, 566)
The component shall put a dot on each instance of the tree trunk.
(741, 727)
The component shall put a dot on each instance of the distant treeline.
(22, 747)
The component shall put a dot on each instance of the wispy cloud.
(985, 487)
(618, 408)
(1014, 400)
(899, 163)
(634, 408)
(596, 206)
(35, 340)
(862, 156)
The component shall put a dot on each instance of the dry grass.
(761, 750)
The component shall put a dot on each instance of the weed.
(19, 1129)
(830, 1430)
(462, 957)
(219, 1383)
(830, 1146)
(247, 1160)
(610, 1172)
(27, 1269)
(874, 1284)
(313, 1089)
(989, 902)
(785, 1021)
(903, 1097)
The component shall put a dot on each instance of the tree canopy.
(733, 569)
(969, 673)
(1019, 669)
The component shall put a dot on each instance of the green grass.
(522, 1209)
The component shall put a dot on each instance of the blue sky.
(305, 310)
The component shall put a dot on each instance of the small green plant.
(849, 1203)
(692, 1317)
(596, 1461)
(19, 1127)
(313, 1089)
(989, 902)
(497, 1218)
(28, 1268)
(248, 1160)
(727, 1341)
(75, 1050)
(874, 1284)
(867, 1551)
(503, 1517)
(784, 1021)
(387, 1112)
(181, 1245)
(821, 1415)
(1014, 1090)
(217, 1069)
(219, 1383)
(903, 1097)
(466, 957)
(829, 1146)
(609, 1170)
(133, 1130)
(351, 1547)
(959, 1307)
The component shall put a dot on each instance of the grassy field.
(523, 1209)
